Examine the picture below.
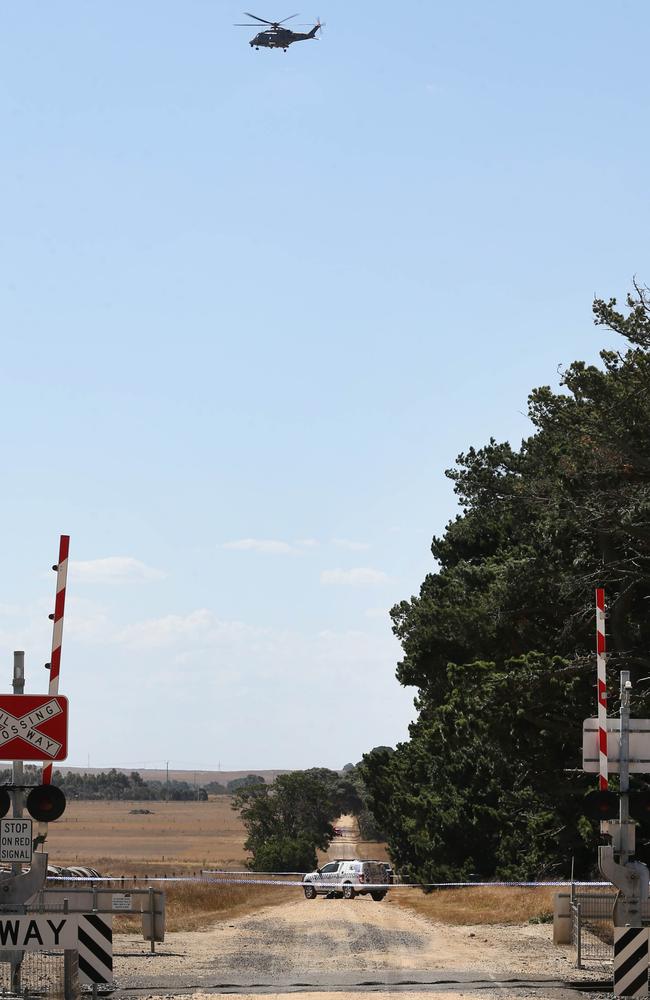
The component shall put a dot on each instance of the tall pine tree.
(499, 641)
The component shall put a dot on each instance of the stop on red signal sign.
(33, 727)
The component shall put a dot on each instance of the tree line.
(114, 784)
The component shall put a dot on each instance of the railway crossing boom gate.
(627, 744)
(76, 921)
(34, 727)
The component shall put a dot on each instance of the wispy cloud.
(201, 640)
(87, 620)
(113, 569)
(271, 546)
(361, 576)
(200, 626)
(349, 545)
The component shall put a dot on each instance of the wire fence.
(51, 974)
(592, 929)
(592, 925)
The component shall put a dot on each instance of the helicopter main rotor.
(273, 25)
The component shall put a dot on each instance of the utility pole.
(624, 765)
(17, 778)
(17, 767)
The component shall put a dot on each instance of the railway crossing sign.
(38, 931)
(33, 727)
(16, 840)
(639, 752)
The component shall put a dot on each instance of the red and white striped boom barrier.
(57, 631)
(601, 662)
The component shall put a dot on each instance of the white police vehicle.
(349, 879)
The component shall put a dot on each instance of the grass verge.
(192, 906)
(479, 904)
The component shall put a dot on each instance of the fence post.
(71, 989)
(562, 919)
(579, 937)
(152, 912)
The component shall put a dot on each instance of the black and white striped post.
(630, 961)
(95, 949)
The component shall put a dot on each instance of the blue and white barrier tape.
(127, 882)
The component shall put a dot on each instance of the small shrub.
(284, 854)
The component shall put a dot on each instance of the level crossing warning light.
(45, 803)
(640, 805)
(601, 805)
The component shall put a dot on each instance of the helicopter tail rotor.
(317, 27)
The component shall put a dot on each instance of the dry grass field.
(177, 837)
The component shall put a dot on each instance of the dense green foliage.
(369, 826)
(290, 819)
(499, 642)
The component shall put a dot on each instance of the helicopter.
(275, 36)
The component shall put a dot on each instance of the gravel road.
(345, 946)
(337, 942)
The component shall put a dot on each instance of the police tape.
(127, 881)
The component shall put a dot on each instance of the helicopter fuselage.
(280, 38)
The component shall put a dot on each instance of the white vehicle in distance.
(349, 879)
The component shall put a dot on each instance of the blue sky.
(252, 304)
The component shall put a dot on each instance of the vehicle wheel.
(348, 891)
(310, 892)
(378, 896)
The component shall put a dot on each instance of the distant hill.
(198, 777)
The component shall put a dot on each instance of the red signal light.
(601, 805)
(640, 806)
(46, 803)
